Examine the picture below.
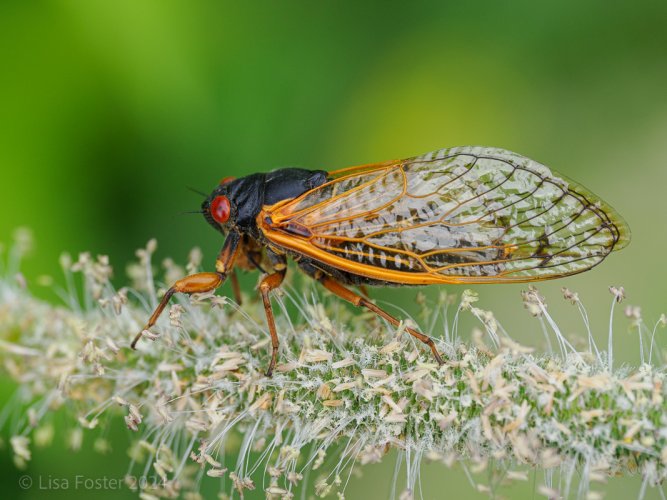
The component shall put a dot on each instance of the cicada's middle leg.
(268, 283)
(236, 287)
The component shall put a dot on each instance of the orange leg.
(197, 283)
(271, 282)
(333, 286)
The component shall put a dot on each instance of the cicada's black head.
(234, 204)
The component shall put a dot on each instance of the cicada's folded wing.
(459, 215)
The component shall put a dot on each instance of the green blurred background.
(108, 110)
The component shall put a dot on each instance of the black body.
(247, 195)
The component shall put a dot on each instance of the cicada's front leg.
(198, 283)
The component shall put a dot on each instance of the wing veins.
(312, 208)
(547, 257)
(467, 170)
(459, 205)
(367, 212)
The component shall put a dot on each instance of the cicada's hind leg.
(197, 283)
(341, 291)
(268, 283)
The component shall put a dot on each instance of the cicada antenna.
(197, 191)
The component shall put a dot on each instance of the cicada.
(455, 216)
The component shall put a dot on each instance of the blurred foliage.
(110, 109)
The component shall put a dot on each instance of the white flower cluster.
(342, 395)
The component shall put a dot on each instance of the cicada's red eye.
(220, 209)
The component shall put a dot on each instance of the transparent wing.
(468, 214)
